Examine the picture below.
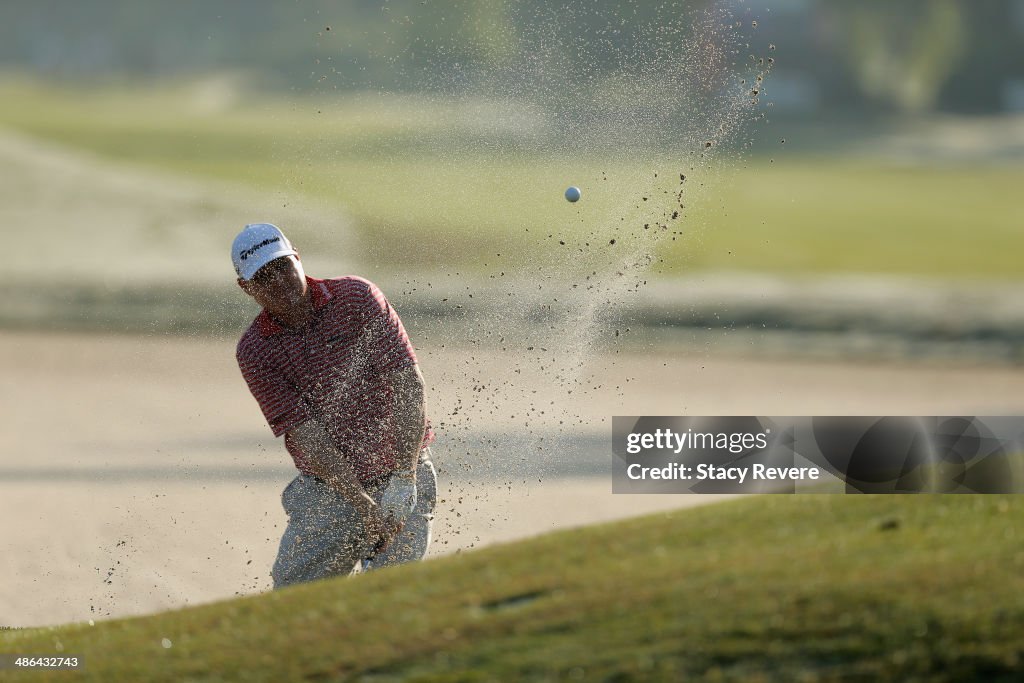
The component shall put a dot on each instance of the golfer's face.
(279, 284)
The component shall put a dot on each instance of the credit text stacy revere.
(704, 472)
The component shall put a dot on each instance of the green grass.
(433, 184)
(773, 588)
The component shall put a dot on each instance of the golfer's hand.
(373, 523)
(380, 528)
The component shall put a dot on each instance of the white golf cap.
(256, 246)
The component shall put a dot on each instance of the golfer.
(332, 369)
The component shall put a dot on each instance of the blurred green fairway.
(432, 184)
(768, 588)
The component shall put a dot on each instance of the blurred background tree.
(868, 56)
(899, 54)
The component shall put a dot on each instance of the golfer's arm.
(328, 463)
(410, 413)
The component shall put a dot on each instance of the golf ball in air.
(573, 194)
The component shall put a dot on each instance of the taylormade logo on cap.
(252, 250)
(257, 245)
